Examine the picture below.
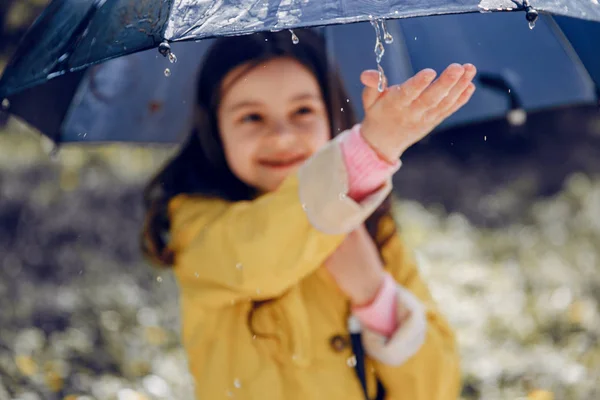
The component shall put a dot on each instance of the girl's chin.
(275, 177)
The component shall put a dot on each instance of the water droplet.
(347, 100)
(257, 291)
(167, 72)
(239, 266)
(237, 383)
(379, 49)
(415, 38)
(295, 39)
(381, 83)
(172, 58)
(342, 196)
(5, 104)
(159, 279)
(342, 109)
(387, 37)
(196, 274)
(485, 138)
(304, 206)
(531, 24)
(351, 361)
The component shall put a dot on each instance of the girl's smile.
(283, 160)
(272, 118)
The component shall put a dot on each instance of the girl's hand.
(404, 114)
(357, 268)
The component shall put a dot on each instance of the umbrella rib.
(572, 54)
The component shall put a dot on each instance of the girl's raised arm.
(258, 249)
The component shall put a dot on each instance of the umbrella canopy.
(130, 98)
(73, 34)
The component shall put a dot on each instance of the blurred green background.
(510, 244)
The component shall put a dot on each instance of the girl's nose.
(281, 128)
(282, 135)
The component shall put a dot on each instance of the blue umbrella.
(73, 34)
(57, 83)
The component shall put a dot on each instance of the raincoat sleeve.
(258, 249)
(424, 364)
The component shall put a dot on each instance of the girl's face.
(271, 119)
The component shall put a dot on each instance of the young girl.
(277, 234)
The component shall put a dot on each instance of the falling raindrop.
(172, 58)
(531, 24)
(485, 138)
(381, 83)
(167, 72)
(304, 206)
(237, 383)
(159, 279)
(379, 52)
(387, 37)
(196, 274)
(5, 104)
(342, 109)
(351, 361)
(347, 100)
(239, 266)
(295, 39)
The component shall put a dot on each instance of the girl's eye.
(304, 111)
(252, 118)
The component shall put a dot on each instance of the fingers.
(439, 90)
(370, 79)
(403, 95)
(463, 98)
(457, 90)
(404, 314)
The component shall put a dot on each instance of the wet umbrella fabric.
(131, 99)
(73, 34)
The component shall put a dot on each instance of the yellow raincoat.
(295, 346)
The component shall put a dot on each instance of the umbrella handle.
(500, 84)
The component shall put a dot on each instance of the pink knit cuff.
(381, 314)
(366, 170)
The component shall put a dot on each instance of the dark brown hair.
(200, 166)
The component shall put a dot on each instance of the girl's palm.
(404, 114)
